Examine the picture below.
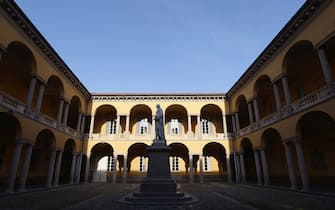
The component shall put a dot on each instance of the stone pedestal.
(158, 188)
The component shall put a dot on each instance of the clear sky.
(159, 45)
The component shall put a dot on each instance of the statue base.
(158, 188)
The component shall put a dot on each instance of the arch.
(53, 92)
(137, 150)
(67, 157)
(176, 112)
(316, 129)
(242, 109)
(10, 130)
(181, 151)
(264, 93)
(74, 112)
(218, 152)
(138, 113)
(303, 69)
(103, 114)
(213, 114)
(275, 155)
(246, 148)
(17, 66)
(41, 157)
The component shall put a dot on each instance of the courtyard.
(210, 196)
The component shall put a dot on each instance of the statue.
(159, 126)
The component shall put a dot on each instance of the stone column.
(91, 126)
(286, 91)
(153, 126)
(302, 166)
(237, 122)
(87, 167)
(201, 169)
(250, 112)
(237, 167)
(78, 122)
(31, 91)
(124, 175)
(189, 124)
(58, 165)
(191, 168)
(25, 168)
(66, 113)
(13, 167)
(293, 179)
(265, 167)
(228, 169)
(51, 168)
(326, 70)
(115, 168)
(258, 168)
(234, 124)
(243, 168)
(256, 111)
(127, 126)
(83, 119)
(73, 167)
(118, 125)
(199, 126)
(225, 130)
(277, 96)
(40, 98)
(60, 111)
(78, 168)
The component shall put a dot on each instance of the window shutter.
(108, 127)
(179, 128)
(149, 128)
(210, 127)
(138, 127)
(169, 127)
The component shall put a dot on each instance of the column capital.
(294, 139)
(262, 147)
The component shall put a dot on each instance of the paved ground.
(210, 195)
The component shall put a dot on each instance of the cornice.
(158, 97)
(290, 29)
(22, 21)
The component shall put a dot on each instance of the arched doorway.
(275, 155)
(214, 162)
(179, 161)
(42, 158)
(74, 112)
(102, 162)
(211, 120)
(67, 161)
(10, 132)
(105, 120)
(140, 120)
(317, 132)
(249, 160)
(137, 162)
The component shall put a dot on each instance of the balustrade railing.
(17, 106)
(305, 102)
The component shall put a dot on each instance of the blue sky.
(159, 45)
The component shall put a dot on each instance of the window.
(111, 126)
(143, 126)
(174, 127)
(205, 126)
(142, 166)
(175, 163)
(207, 163)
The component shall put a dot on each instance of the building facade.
(275, 126)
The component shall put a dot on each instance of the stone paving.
(210, 195)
